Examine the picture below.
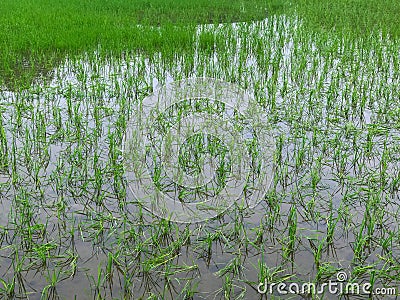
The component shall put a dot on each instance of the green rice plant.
(109, 268)
(331, 226)
(189, 291)
(234, 267)
(288, 250)
(326, 271)
(8, 288)
(3, 146)
(98, 282)
(18, 267)
(227, 287)
(50, 291)
(317, 251)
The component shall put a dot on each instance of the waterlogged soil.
(70, 226)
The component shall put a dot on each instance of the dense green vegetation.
(34, 36)
(40, 31)
(361, 17)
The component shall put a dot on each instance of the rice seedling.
(325, 76)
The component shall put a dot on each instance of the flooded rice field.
(73, 224)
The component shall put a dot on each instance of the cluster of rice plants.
(36, 36)
(70, 226)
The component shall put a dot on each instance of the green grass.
(361, 17)
(36, 35)
(83, 25)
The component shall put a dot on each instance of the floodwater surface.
(71, 227)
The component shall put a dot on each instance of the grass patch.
(34, 34)
(361, 17)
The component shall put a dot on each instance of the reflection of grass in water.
(334, 203)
